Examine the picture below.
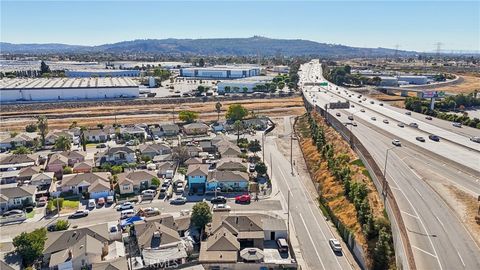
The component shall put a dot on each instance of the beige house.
(135, 181)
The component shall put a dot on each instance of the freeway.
(439, 239)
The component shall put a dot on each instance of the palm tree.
(218, 108)
(63, 143)
(238, 126)
(42, 124)
(83, 140)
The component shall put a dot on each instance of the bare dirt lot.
(469, 84)
(143, 113)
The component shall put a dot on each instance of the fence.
(400, 236)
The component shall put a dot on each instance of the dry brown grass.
(469, 84)
(470, 210)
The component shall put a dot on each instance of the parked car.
(396, 142)
(79, 214)
(372, 102)
(429, 118)
(179, 189)
(42, 201)
(179, 200)
(101, 202)
(354, 124)
(218, 199)
(335, 245)
(350, 117)
(251, 167)
(246, 198)
(420, 139)
(110, 199)
(149, 191)
(150, 211)
(14, 212)
(282, 245)
(102, 145)
(125, 206)
(53, 227)
(155, 137)
(127, 214)
(362, 110)
(475, 139)
(434, 137)
(91, 203)
(381, 104)
(457, 124)
(221, 207)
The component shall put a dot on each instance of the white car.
(457, 124)
(125, 206)
(475, 139)
(335, 245)
(396, 142)
(221, 207)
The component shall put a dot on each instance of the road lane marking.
(461, 259)
(311, 239)
(286, 182)
(440, 222)
(424, 251)
(408, 214)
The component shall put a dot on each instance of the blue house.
(197, 178)
(228, 181)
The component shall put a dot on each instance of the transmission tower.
(395, 55)
(439, 49)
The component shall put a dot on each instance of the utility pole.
(58, 206)
(288, 215)
(271, 166)
(263, 147)
(385, 183)
(291, 153)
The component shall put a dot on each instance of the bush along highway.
(347, 194)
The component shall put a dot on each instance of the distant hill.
(214, 46)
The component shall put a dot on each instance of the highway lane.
(310, 226)
(433, 227)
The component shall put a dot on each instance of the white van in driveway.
(127, 214)
(91, 203)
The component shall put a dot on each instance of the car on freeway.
(364, 99)
(79, 214)
(381, 104)
(413, 125)
(374, 118)
(401, 124)
(350, 117)
(125, 206)
(353, 106)
(218, 200)
(221, 207)
(335, 245)
(429, 118)
(457, 124)
(243, 198)
(396, 142)
(434, 137)
(338, 114)
(475, 139)
(102, 145)
(360, 101)
(362, 110)
(408, 113)
(372, 102)
(420, 139)
(354, 124)
(179, 201)
(385, 121)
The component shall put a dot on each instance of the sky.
(410, 25)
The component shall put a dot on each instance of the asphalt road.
(439, 239)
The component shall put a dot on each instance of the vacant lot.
(142, 113)
(469, 84)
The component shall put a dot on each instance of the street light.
(385, 183)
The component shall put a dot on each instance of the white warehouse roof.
(62, 83)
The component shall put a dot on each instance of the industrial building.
(62, 89)
(221, 72)
(388, 81)
(281, 69)
(238, 85)
(417, 80)
(86, 73)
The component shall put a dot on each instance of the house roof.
(80, 248)
(198, 169)
(156, 148)
(99, 186)
(116, 264)
(231, 164)
(73, 154)
(156, 235)
(167, 165)
(20, 158)
(182, 223)
(197, 125)
(58, 158)
(169, 127)
(136, 177)
(75, 179)
(57, 133)
(114, 150)
(193, 160)
(17, 192)
(61, 240)
(42, 176)
(95, 132)
(222, 246)
(83, 164)
(228, 176)
(28, 171)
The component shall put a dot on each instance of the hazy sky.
(410, 24)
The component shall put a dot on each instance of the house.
(193, 151)
(197, 177)
(227, 181)
(116, 156)
(26, 173)
(224, 147)
(195, 129)
(52, 136)
(207, 146)
(159, 239)
(260, 123)
(83, 167)
(135, 181)
(119, 263)
(18, 161)
(133, 132)
(27, 139)
(169, 130)
(73, 157)
(152, 150)
(193, 160)
(9, 177)
(238, 241)
(56, 163)
(231, 164)
(96, 135)
(16, 197)
(166, 169)
(96, 184)
(87, 247)
(218, 126)
(42, 180)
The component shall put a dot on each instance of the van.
(282, 245)
(91, 203)
(127, 214)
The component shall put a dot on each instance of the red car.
(243, 199)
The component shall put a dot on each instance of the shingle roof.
(80, 248)
(156, 235)
(228, 176)
(198, 169)
(17, 192)
(62, 240)
(28, 171)
(116, 264)
(58, 158)
(98, 186)
(136, 176)
(157, 148)
(231, 164)
(73, 154)
(114, 150)
(75, 179)
(20, 158)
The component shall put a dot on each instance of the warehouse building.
(239, 85)
(63, 89)
(388, 81)
(417, 80)
(221, 72)
(86, 73)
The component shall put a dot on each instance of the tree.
(187, 116)
(42, 124)
(116, 169)
(30, 245)
(272, 87)
(227, 89)
(155, 181)
(100, 125)
(261, 168)
(201, 215)
(61, 225)
(180, 154)
(201, 89)
(245, 89)
(381, 252)
(218, 108)
(281, 85)
(238, 126)
(44, 68)
(31, 127)
(236, 112)
(83, 140)
(63, 143)
(21, 150)
(67, 170)
(201, 62)
(254, 146)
